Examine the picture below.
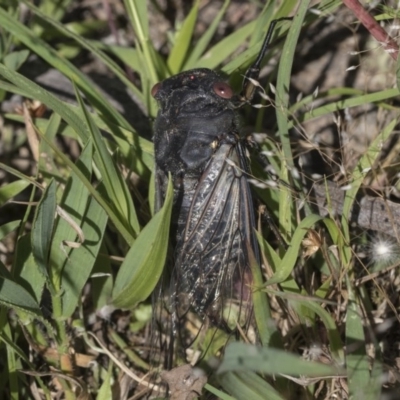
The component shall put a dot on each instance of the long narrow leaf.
(143, 265)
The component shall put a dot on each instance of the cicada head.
(196, 112)
(198, 91)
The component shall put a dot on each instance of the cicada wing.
(212, 270)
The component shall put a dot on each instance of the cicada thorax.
(196, 141)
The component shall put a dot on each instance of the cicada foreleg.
(250, 78)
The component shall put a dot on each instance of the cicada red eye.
(155, 89)
(223, 90)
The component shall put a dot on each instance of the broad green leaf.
(73, 205)
(357, 360)
(10, 190)
(42, 228)
(15, 59)
(14, 295)
(247, 357)
(246, 385)
(7, 228)
(101, 279)
(81, 260)
(144, 263)
(26, 271)
(47, 167)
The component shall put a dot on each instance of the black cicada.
(197, 140)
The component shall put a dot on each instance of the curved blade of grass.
(42, 49)
(282, 106)
(348, 103)
(205, 39)
(20, 175)
(144, 263)
(42, 228)
(289, 260)
(118, 194)
(226, 47)
(10, 190)
(335, 343)
(113, 66)
(38, 93)
(137, 11)
(338, 91)
(265, 17)
(183, 38)
(246, 357)
(262, 312)
(220, 394)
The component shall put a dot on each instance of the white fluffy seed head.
(384, 250)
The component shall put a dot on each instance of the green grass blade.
(113, 66)
(376, 97)
(262, 312)
(205, 39)
(225, 48)
(289, 260)
(118, 194)
(42, 49)
(10, 190)
(137, 11)
(36, 92)
(183, 38)
(282, 106)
